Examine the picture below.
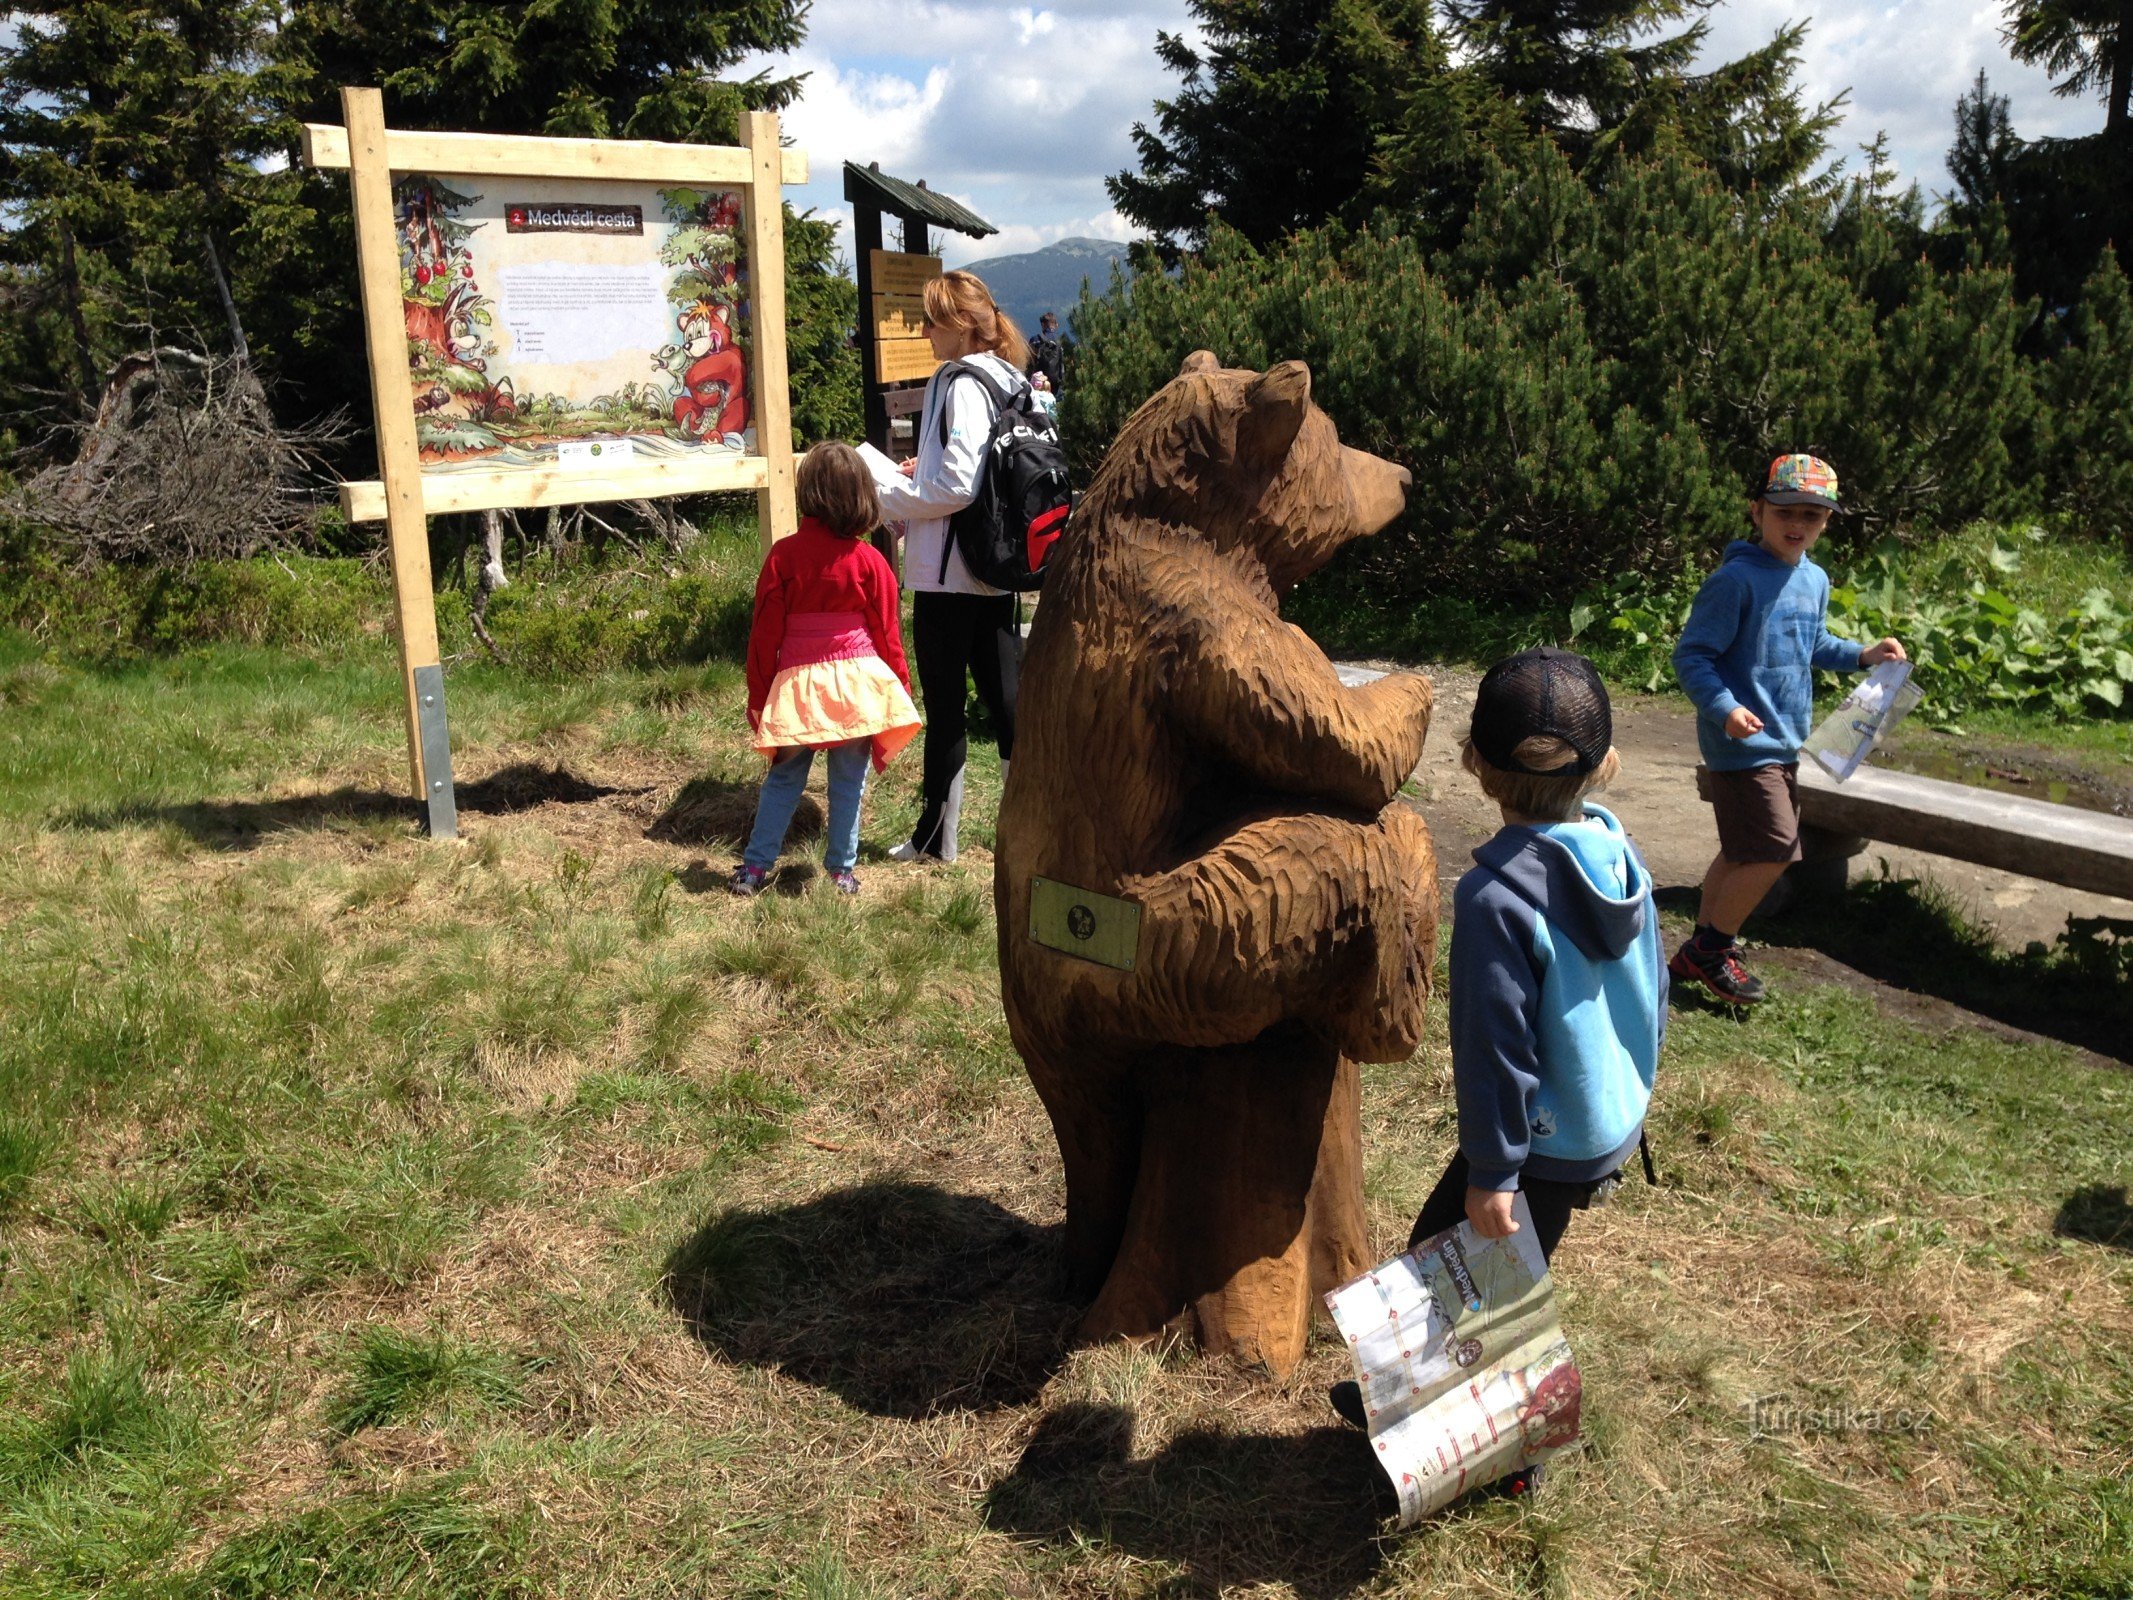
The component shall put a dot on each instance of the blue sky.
(1021, 111)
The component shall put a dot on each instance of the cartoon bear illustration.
(714, 398)
(1182, 748)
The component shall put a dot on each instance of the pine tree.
(1598, 76)
(132, 138)
(2088, 42)
(2089, 390)
(1279, 115)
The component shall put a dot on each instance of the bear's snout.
(1377, 488)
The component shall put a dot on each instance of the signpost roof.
(870, 186)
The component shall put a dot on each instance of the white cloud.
(1905, 64)
(1021, 112)
(1018, 114)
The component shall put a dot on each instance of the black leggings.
(953, 635)
(1550, 1203)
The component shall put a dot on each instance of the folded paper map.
(1465, 1372)
(1868, 715)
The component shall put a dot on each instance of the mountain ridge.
(1032, 282)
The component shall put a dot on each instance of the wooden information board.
(558, 322)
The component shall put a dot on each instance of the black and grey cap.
(1539, 692)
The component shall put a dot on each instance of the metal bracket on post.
(436, 753)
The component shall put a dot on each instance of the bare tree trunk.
(77, 322)
(491, 579)
(240, 346)
(492, 544)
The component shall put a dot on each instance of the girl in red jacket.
(825, 665)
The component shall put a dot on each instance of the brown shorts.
(1758, 810)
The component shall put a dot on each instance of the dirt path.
(1656, 799)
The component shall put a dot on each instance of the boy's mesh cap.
(1801, 481)
(1543, 691)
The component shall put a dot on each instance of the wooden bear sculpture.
(1213, 811)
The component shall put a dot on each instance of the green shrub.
(552, 621)
(1980, 632)
(1590, 381)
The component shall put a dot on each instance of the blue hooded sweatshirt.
(1558, 1002)
(1755, 631)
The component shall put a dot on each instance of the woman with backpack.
(960, 626)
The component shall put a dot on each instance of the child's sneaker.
(748, 881)
(1720, 971)
(845, 881)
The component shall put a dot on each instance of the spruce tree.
(132, 138)
(1279, 115)
(1598, 76)
(622, 69)
(2088, 44)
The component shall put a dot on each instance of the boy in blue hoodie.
(1756, 632)
(1558, 988)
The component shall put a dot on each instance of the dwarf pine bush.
(1589, 381)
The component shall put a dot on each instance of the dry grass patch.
(531, 1217)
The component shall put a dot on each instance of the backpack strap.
(999, 398)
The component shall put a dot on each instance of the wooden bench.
(2088, 850)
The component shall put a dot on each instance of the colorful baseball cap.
(1801, 481)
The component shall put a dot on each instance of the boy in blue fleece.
(1558, 1001)
(1756, 632)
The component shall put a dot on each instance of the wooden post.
(763, 216)
(866, 239)
(393, 406)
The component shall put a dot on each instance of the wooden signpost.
(515, 308)
(898, 304)
(894, 358)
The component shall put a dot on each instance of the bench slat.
(2061, 844)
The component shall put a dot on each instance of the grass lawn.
(528, 1217)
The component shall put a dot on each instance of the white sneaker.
(944, 831)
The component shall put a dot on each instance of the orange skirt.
(834, 702)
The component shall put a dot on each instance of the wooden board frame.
(371, 154)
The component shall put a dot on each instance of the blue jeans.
(782, 787)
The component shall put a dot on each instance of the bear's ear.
(1273, 413)
(1199, 361)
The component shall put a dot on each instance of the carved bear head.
(1245, 460)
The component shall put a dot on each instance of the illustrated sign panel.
(573, 322)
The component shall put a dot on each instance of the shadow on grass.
(902, 1299)
(1913, 936)
(1235, 1510)
(2098, 1214)
(715, 811)
(242, 824)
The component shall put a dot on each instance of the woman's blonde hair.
(961, 300)
(1535, 794)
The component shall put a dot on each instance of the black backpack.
(1023, 499)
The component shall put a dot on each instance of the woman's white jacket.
(946, 478)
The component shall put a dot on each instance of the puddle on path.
(2038, 774)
